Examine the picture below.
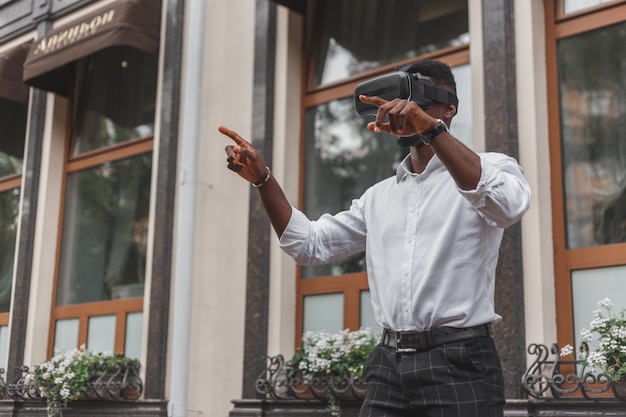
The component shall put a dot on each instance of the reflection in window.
(118, 100)
(101, 334)
(592, 72)
(354, 36)
(366, 313)
(12, 136)
(9, 210)
(592, 285)
(134, 324)
(103, 251)
(65, 335)
(571, 6)
(342, 159)
(323, 313)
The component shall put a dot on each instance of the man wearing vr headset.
(431, 235)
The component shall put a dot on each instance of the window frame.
(10, 182)
(352, 284)
(120, 308)
(568, 260)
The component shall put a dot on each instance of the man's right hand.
(243, 158)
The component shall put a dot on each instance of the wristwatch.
(432, 133)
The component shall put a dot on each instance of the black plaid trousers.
(458, 379)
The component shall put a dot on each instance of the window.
(102, 255)
(13, 115)
(587, 64)
(572, 7)
(348, 42)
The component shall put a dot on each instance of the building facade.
(121, 228)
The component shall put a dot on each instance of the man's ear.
(449, 110)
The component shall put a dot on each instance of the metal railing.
(118, 384)
(277, 382)
(548, 376)
(559, 378)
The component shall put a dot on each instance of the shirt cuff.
(478, 196)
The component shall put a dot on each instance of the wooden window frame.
(84, 311)
(568, 260)
(349, 285)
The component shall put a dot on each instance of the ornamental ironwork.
(106, 383)
(556, 377)
(278, 382)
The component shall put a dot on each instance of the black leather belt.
(414, 341)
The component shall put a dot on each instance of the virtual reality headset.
(401, 84)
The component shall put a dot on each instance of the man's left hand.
(405, 118)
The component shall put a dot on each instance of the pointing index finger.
(233, 135)
(375, 100)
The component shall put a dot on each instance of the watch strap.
(433, 132)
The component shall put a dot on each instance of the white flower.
(586, 335)
(597, 359)
(606, 303)
(65, 392)
(567, 350)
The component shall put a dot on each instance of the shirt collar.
(404, 168)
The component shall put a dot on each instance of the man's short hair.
(439, 72)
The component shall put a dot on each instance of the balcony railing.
(557, 378)
(120, 384)
(277, 382)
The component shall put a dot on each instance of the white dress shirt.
(431, 248)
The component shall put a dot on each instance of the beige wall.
(537, 247)
(48, 215)
(221, 234)
(287, 123)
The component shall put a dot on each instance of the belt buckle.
(424, 342)
(400, 349)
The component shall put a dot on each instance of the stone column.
(501, 136)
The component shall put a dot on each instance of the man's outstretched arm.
(246, 161)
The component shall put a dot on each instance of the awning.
(50, 62)
(11, 68)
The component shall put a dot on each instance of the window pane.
(119, 99)
(592, 285)
(105, 226)
(571, 6)
(134, 326)
(12, 136)
(367, 313)
(101, 334)
(354, 36)
(4, 345)
(66, 335)
(592, 73)
(343, 159)
(461, 126)
(9, 210)
(323, 313)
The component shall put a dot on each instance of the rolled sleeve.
(502, 195)
(327, 239)
(295, 233)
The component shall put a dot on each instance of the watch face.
(433, 132)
